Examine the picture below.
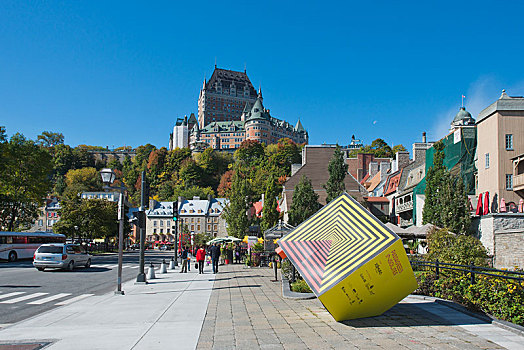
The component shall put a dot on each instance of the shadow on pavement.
(17, 286)
(77, 270)
(412, 315)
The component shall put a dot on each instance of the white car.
(61, 256)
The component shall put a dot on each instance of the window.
(509, 142)
(167, 230)
(154, 230)
(198, 227)
(40, 223)
(509, 182)
(161, 222)
(161, 230)
(192, 227)
(154, 223)
(487, 160)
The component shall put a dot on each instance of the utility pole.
(141, 277)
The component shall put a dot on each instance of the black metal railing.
(471, 269)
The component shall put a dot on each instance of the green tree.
(239, 203)
(398, 148)
(283, 154)
(446, 204)
(270, 214)
(49, 139)
(305, 202)
(190, 173)
(94, 218)
(24, 181)
(337, 173)
(192, 191)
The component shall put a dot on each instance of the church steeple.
(260, 92)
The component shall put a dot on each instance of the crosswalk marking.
(25, 297)
(48, 299)
(10, 295)
(72, 300)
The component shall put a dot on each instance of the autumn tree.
(337, 173)
(305, 202)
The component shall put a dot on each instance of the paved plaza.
(246, 310)
(241, 308)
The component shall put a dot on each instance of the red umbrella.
(486, 203)
(479, 206)
(503, 206)
(521, 205)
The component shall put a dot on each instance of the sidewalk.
(241, 308)
(169, 310)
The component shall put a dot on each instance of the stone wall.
(503, 236)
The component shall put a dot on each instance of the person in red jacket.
(201, 257)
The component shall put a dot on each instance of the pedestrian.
(215, 255)
(184, 260)
(201, 256)
(188, 259)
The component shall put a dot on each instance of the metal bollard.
(163, 268)
(151, 272)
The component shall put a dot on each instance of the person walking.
(215, 255)
(184, 260)
(200, 257)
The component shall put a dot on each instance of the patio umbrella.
(502, 206)
(479, 206)
(521, 205)
(486, 203)
(354, 264)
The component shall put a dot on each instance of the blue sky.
(120, 73)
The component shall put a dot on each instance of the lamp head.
(108, 176)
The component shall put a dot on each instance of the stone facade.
(502, 235)
(225, 96)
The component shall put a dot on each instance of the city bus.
(22, 245)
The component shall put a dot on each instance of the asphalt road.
(25, 291)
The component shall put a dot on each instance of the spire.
(204, 86)
(260, 91)
(299, 127)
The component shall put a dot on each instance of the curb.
(514, 328)
(288, 294)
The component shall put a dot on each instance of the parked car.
(61, 256)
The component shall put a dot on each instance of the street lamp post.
(108, 177)
(141, 277)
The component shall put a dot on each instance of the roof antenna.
(215, 61)
(245, 67)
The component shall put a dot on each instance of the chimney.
(152, 204)
(424, 137)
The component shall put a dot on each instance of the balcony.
(518, 175)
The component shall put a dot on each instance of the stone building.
(225, 96)
(197, 216)
(256, 123)
(48, 215)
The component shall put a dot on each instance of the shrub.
(300, 286)
(499, 297)
(455, 249)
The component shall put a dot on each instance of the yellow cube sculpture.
(353, 263)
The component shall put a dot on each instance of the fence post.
(436, 270)
(472, 279)
(292, 273)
